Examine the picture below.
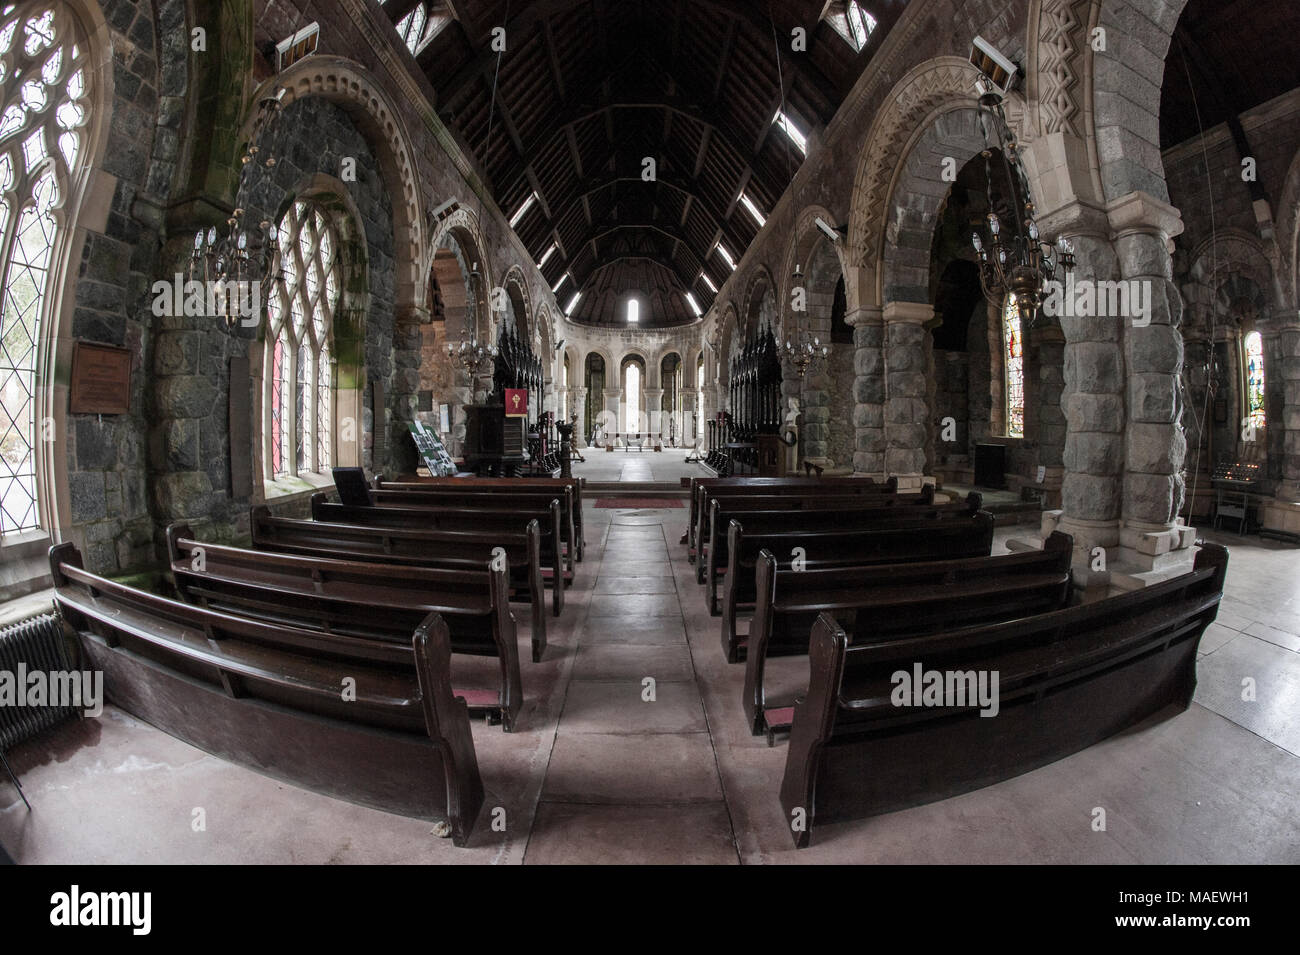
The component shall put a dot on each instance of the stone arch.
(1288, 235)
(918, 195)
(352, 87)
(759, 307)
(455, 252)
(1125, 94)
(1217, 262)
(519, 303)
(931, 88)
(804, 239)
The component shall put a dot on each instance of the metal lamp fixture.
(803, 349)
(1014, 261)
(475, 357)
(242, 254)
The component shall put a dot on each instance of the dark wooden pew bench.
(476, 520)
(490, 499)
(273, 697)
(814, 515)
(449, 550)
(500, 484)
(860, 745)
(702, 488)
(879, 602)
(885, 542)
(366, 601)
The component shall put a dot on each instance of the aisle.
(633, 776)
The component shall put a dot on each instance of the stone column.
(1092, 399)
(907, 410)
(1048, 342)
(580, 409)
(654, 416)
(1154, 443)
(690, 420)
(613, 397)
(1283, 513)
(404, 400)
(815, 403)
(868, 391)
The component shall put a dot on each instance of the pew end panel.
(1065, 681)
(246, 692)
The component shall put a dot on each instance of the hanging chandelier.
(802, 349)
(1015, 264)
(474, 356)
(242, 255)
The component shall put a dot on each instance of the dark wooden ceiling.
(1239, 54)
(587, 88)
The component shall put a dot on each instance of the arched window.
(670, 377)
(298, 423)
(699, 397)
(43, 81)
(595, 392)
(1013, 365)
(1253, 349)
(631, 397)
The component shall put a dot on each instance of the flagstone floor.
(608, 767)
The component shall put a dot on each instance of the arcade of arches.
(422, 212)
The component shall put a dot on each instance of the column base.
(1281, 516)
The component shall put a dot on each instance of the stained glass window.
(1254, 351)
(43, 109)
(300, 312)
(1013, 368)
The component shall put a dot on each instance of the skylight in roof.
(523, 210)
(726, 256)
(633, 311)
(752, 209)
(709, 282)
(690, 300)
(851, 22)
(556, 287)
(546, 255)
(573, 303)
(791, 130)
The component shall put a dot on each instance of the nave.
(594, 774)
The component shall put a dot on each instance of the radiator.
(37, 644)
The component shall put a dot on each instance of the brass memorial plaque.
(101, 379)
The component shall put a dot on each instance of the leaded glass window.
(1013, 368)
(300, 311)
(1254, 353)
(43, 110)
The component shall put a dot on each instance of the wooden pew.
(793, 499)
(1066, 680)
(814, 515)
(472, 499)
(269, 696)
(884, 601)
(478, 520)
(700, 488)
(490, 484)
(885, 542)
(358, 599)
(415, 547)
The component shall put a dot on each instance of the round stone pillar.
(907, 405)
(580, 409)
(1154, 443)
(868, 391)
(652, 414)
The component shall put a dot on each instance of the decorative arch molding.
(352, 87)
(1059, 65)
(928, 90)
(728, 334)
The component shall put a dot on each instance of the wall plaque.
(101, 379)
